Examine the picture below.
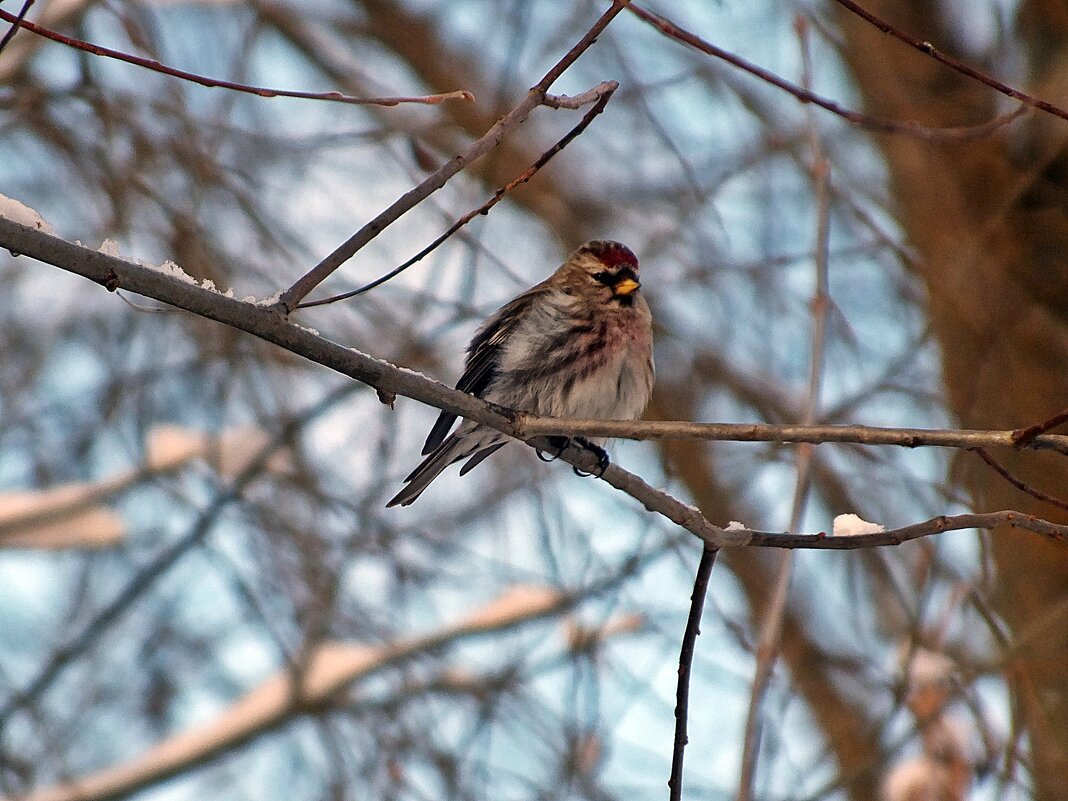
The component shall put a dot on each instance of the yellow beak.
(625, 287)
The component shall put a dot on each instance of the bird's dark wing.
(483, 357)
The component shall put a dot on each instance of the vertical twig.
(682, 692)
(771, 629)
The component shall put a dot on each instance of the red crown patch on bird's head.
(612, 254)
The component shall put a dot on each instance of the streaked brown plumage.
(579, 344)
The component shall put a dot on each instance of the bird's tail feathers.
(427, 470)
(455, 448)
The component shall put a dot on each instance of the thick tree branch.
(267, 323)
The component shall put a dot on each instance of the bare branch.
(530, 425)
(936, 525)
(268, 324)
(907, 128)
(952, 63)
(1022, 436)
(489, 140)
(769, 644)
(331, 668)
(602, 93)
(32, 519)
(150, 573)
(1020, 485)
(682, 690)
(155, 66)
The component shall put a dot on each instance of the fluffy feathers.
(579, 344)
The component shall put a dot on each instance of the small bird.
(579, 344)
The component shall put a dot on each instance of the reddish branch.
(952, 63)
(155, 66)
(907, 128)
(1024, 436)
(601, 93)
(1020, 485)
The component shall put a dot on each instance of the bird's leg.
(559, 443)
(596, 450)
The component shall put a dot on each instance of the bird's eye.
(605, 278)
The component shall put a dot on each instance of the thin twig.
(203, 80)
(1020, 485)
(954, 64)
(936, 525)
(531, 425)
(682, 691)
(907, 128)
(1023, 436)
(289, 299)
(603, 93)
(16, 23)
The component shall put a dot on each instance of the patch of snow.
(853, 526)
(109, 247)
(407, 370)
(174, 271)
(19, 212)
(269, 301)
(734, 525)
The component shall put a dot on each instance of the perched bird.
(579, 344)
